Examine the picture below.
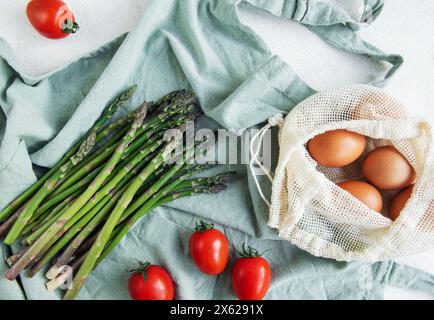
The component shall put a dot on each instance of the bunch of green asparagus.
(78, 212)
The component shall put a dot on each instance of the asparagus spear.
(113, 181)
(175, 169)
(58, 176)
(116, 236)
(31, 238)
(40, 223)
(173, 110)
(31, 254)
(33, 225)
(5, 227)
(62, 278)
(166, 195)
(155, 126)
(115, 177)
(90, 176)
(110, 111)
(106, 115)
(103, 207)
(12, 259)
(109, 186)
(165, 101)
(93, 163)
(82, 236)
(79, 186)
(112, 220)
(97, 158)
(31, 206)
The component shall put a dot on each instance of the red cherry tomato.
(251, 276)
(209, 249)
(51, 18)
(150, 282)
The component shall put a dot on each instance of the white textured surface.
(100, 22)
(403, 27)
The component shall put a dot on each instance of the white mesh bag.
(313, 213)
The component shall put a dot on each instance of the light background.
(404, 27)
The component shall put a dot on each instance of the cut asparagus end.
(55, 283)
(53, 272)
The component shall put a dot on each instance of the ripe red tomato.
(150, 282)
(51, 18)
(251, 276)
(209, 249)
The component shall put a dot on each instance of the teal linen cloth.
(200, 44)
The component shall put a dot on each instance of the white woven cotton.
(312, 212)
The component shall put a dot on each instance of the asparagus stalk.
(77, 187)
(119, 232)
(175, 169)
(123, 175)
(5, 227)
(110, 111)
(178, 109)
(47, 220)
(51, 250)
(109, 186)
(103, 207)
(155, 126)
(166, 195)
(14, 258)
(31, 206)
(81, 237)
(112, 220)
(83, 233)
(90, 176)
(31, 254)
(185, 188)
(106, 115)
(115, 177)
(33, 225)
(113, 181)
(92, 162)
(31, 238)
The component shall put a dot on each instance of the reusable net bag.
(313, 213)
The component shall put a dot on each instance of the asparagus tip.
(140, 114)
(216, 188)
(128, 93)
(85, 148)
(226, 177)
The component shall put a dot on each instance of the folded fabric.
(203, 45)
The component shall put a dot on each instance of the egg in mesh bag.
(313, 213)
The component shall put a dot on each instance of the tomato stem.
(143, 269)
(70, 26)
(202, 226)
(248, 252)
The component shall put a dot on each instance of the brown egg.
(387, 169)
(336, 148)
(399, 202)
(366, 193)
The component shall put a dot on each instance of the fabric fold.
(200, 44)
